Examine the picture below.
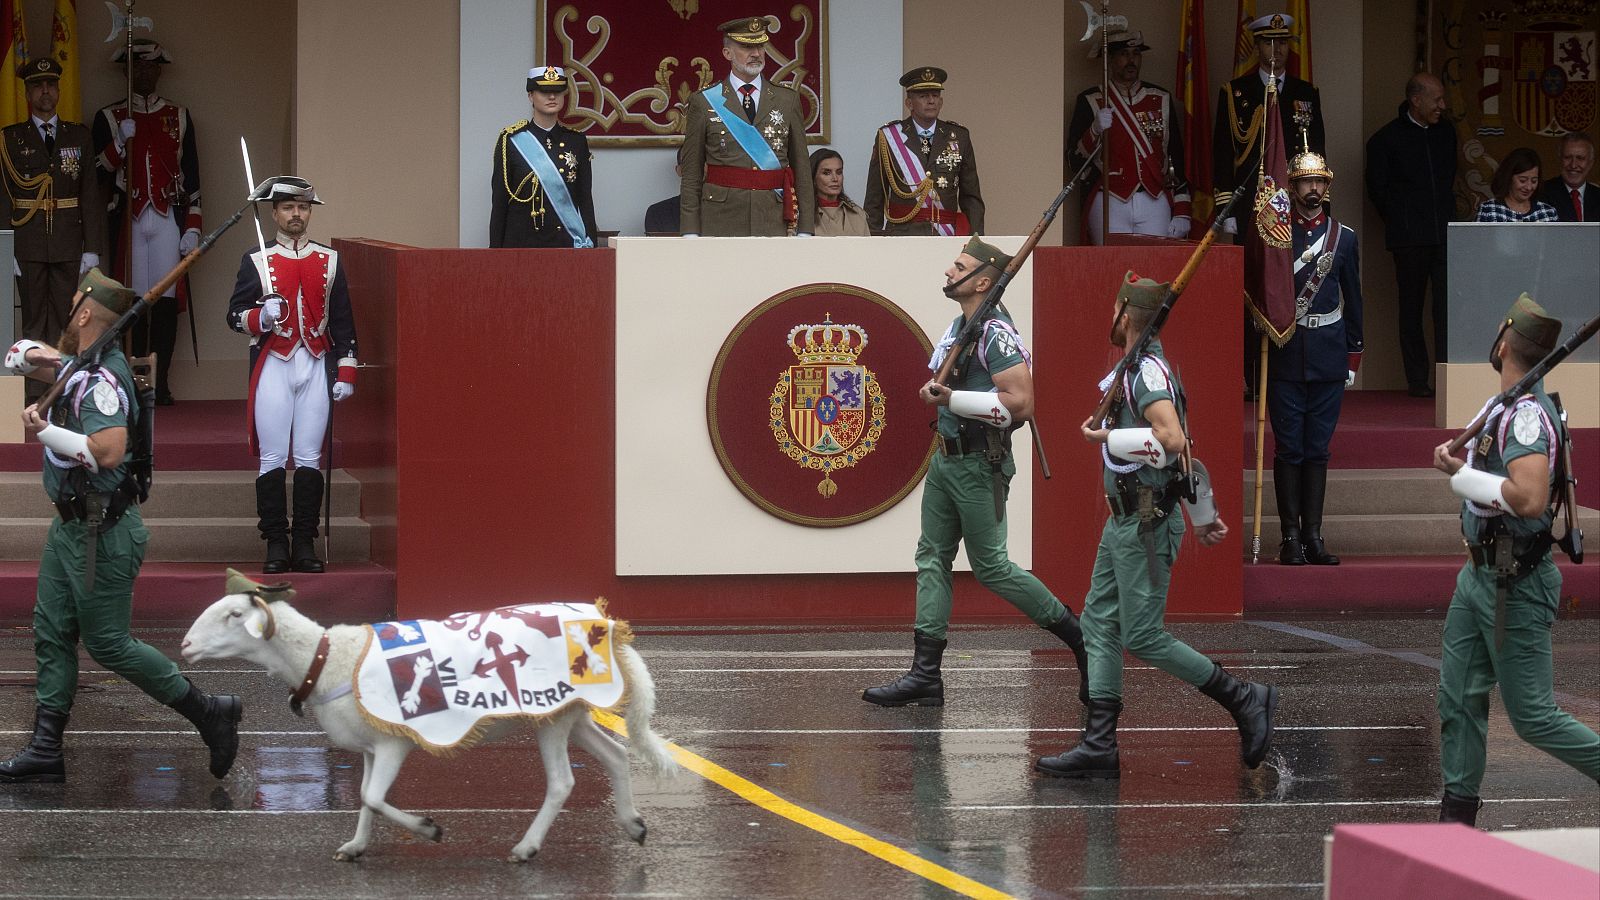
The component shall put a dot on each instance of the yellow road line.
(844, 834)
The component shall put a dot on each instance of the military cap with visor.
(548, 80)
(924, 78)
(1273, 26)
(39, 69)
(749, 30)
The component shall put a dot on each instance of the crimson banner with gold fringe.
(1269, 236)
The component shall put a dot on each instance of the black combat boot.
(1313, 489)
(1096, 753)
(216, 717)
(1286, 486)
(1459, 809)
(921, 686)
(307, 511)
(1071, 634)
(41, 761)
(273, 508)
(1252, 706)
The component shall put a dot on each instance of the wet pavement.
(1357, 742)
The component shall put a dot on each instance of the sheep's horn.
(272, 621)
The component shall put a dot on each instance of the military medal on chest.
(950, 158)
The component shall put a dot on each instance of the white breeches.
(155, 250)
(1140, 214)
(291, 406)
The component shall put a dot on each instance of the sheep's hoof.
(347, 856)
(437, 829)
(637, 831)
(518, 857)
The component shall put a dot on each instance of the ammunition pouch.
(1133, 497)
(100, 509)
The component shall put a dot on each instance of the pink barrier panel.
(1413, 862)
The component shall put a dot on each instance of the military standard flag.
(1269, 236)
(64, 47)
(14, 46)
(1195, 95)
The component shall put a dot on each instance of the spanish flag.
(1298, 65)
(14, 47)
(64, 47)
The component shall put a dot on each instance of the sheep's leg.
(558, 780)
(615, 760)
(387, 758)
(357, 845)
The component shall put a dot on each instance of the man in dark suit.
(1575, 198)
(922, 178)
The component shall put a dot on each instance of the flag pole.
(1105, 139)
(1261, 445)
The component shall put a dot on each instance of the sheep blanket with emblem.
(442, 683)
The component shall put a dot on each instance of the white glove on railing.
(343, 391)
(189, 241)
(1178, 227)
(272, 309)
(89, 261)
(1102, 121)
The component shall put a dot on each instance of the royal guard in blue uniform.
(292, 299)
(1307, 376)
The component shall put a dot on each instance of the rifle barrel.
(1526, 383)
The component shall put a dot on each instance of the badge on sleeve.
(1154, 378)
(1525, 427)
(105, 399)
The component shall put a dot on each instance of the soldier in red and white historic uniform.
(292, 299)
(163, 206)
(1149, 186)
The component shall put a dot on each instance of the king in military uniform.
(922, 177)
(542, 184)
(743, 162)
(52, 200)
(1307, 376)
(1498, 626)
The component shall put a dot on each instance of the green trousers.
(1125, 607)
(64, 614)
(958, 505)
(1472, 664)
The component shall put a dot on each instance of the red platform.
(1408, 862)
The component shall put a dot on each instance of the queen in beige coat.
(837, 214)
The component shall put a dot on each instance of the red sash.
(759, 180)
(934, 216)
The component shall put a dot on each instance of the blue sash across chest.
(744, 133)
(555, 186)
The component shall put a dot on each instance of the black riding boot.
(1071, 634)
(216, 717)
(1459, 809)
(1286, 486)
(41, 761)
(1252, 706)
(273, 508)
(1096, 753)
(1313, 489)
(307, 510)
(921, 686)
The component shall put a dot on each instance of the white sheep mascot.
(255, 622)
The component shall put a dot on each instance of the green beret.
(985, 252)
(1529, 319)
(106, 292)
(1144, 293)
(239, 583)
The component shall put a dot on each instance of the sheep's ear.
(255, 624)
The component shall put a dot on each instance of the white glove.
(189, 241)
(127, 127)
(1102, 121)
(1178, 227)
(802, 234)
(1230, 225)
(89, 261)
(16, 268)
(343, 391)
(272, 308)
(690, 235)
(1350, 379)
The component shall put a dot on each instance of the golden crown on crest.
(827, 342)
(1555, 12)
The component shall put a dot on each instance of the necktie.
(749, 101)
(49, 137)
(1577, 205)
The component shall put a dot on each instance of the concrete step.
(1376, 584)
(186, 539)
(181, 494)
(1434, 534)
(1368, 492)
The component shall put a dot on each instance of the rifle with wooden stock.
(1534, 376)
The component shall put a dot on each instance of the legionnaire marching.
(96, 544)
(1307, 376)
(292, 299)
(155, 150)
(922, 178)
(1497, 629)
(1149, 185)
(542, 184)
(743, 163)
(1146, 445)
(963, 498)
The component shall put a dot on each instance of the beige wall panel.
(1463, 388)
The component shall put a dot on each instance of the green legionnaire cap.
(39, 69)
(1276, 25)
(547, 79)
(1529, 319)
(106, 292)
(984, 252)
(1307, 165)
(1145, 293)
(239, 583)
(752, 30)
(926, 78)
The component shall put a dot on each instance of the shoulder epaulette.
(516, 126)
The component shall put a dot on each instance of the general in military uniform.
(744, 165)
(990, 393)
(154, 150)
(542, 183)
(52, 200)
(1145, 444)
(293, 301)
(1498, 626)
(97, 541)
(1149, 185)
(1307, 376)
(922, 178)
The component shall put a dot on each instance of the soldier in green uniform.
(1498, 625)
(963, 498)
(1145, 440)
(96, 544)
(922, 177)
